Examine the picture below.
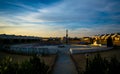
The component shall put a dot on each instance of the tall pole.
(66, 36)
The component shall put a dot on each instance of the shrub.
(114, 66)
(96, 66)
(7, 66)
(99, 65)
(33, 66)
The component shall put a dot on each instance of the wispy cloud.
(73, 10)
(22, 5)
(81, 17)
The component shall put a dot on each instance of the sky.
(51, 18)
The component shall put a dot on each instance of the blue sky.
(50, 18)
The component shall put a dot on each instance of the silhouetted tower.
(66, 36)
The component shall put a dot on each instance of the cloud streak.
(81, 17)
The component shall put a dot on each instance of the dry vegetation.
(80, 59)
(48, 59)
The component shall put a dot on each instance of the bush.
(114, 66)
(33, 66)
(96, 66)
(8, 67)
(100, 65)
